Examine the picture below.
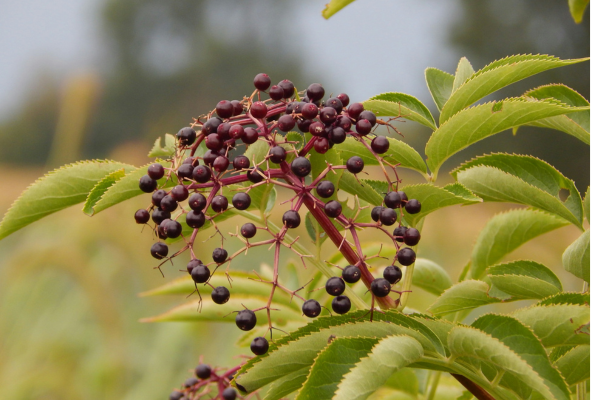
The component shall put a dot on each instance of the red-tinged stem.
(474, 388)
(309, 145)
(272, 173)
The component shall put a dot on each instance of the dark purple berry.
(203, 371)
(341, 304)
(190, 382)
(344, 99)
(286, 123)
(258, 110)
(158, 196)
(223, 131)
(201, 174)
(321, 145)
(185, 171)
(237, 107)
(354, 110)
(412, 236)
(255, 175)
(241, 162)
(317, 129)
(335, 286)
(214, 142)
(224, 109)
(142, 216)
(241, 201)
(180, 193)
(156, 171)
(413, 206)
(248, 230)
(315, 92)
(328, 115)
(363, 127)
(262, 82)
(325, 189)
(380, 144)
(236, 132)
(388, 216)
(159, 215)
(250, 135)
(220, 164)
(345, 123)
(399, 233)
(333, 209)
(209, 157)
(229, 394)
(212, 125)
(291, 219)
(334, 103)
(173, 229)
(369, 116)
(404, 197)
(219, 203)
(392, 274)
(337, 135)
(277, 154)
(310, 111)
(301, 167)
(193, 264)
(175, 395)
(393, 200)
(161, 229)
(288, 88)
(245, 320)
(380, 287)
(159, 250)
(259, 346)
(276, 93)
(406, 256)
(304, 125)
(195, 219)
(376, 213)
(147, 184)
(355, 164)
(186, 136)
(311, 308)
(351, 274)
(219, 255)
(191, 160)
(220, 295)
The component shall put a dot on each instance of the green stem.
(408, 275)
(434, 379)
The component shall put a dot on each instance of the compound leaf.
(525, 280)
(402, 105)
(440, 85)
(463, 296)
(576, 258)
(429, 276)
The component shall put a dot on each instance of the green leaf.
(257, 152)
(575, 364)
(405, 380)
(430, 276)
(349, 183)
(518, 338)
(479, 122)
(393, 104)
(433, 198)
(587, 205)
(57, 190)
(577, 8)
(319, 164)
(295, 137)
(440, 85)
(470, 343)
(287, 384)
(463, 296)
(388, 356)
(101, 187)
(566, 298)
(525, 280)
(333, 7)
(167, 151)
(332, 364)
(497, 75)
(557, 325)
(463, 72)
(576, 258)
(507, 231)
(532, 173)
(314, 229)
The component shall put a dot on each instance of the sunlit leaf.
(440, 85)
(525, 279)
(101, 187)
(463, 296)
(464, 71)
(575, 364)
(576, 258)
(400, 105)
(577, 8)
(430, 276)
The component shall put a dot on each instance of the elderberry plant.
(235, 161)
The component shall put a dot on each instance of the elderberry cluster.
(208, 383)
(192, 192)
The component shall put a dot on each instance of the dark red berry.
(334, 103)
(212, 125)
(245, 320)
(241, 162)
(380, 144)
(190, 382)
(203, 371)
(392, 274)
(406, 256)
(250, 135)
(413, 206)
(369, 116)
(255, 175)
(345, 123)
(142, 216)
(291, 219)
(301, 167)
(159, 215)
(219, 203)
(355, 164)
(276, 93)
(354, 110)
(337, 135)
(325, 189)
(258, 109)
(288, 88)
(376, 213)
(220, 164)
(173, 229)
(363, 127)
(229, 394)
(393, 200)
(310, 111)
(344, 99)
(185, 171)
(388, 216)
(237, 107)
(191, 160)
(315, 91)
(214, 142)
(186, 136)
(286, 123)
(311, 308)
(147, 184)
(380, 287)
(351, 274)
(158, 196)
(220, 295)
(224, 109)
(236, 132)
(241, 201)
(259, 346)
(168, 203)
(209, 157)
(335, 286)
(195, 219)
(156, 171)
(180, 193)
(317, 129)
(399, 233)
(159, 250)
(341, 305)
(333, 209)
(262, 82)
(175, 395)
(223, 131)
(248, 230)
(277, 154)
(201, 174)
(412, 236)
(161, 229)
(321, 145)
(328, 115)
(193, 264)
(304, 125)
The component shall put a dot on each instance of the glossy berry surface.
(399, 233)
(173, 229)
(258, 110)
(291, 219)
(412, 236)
(250, 135)
(376, 213)
(341, 304)
(220, 295)
(321, 145)
(406, 256)
(187, 136)
(142, 216)
(310, 111)
(325, 189)
(219, 255)
(286, 123)
(197, 201)
(147, 184)
(355, 164)
(354, 110)
(392, 274)
(229, 394)
(192, 264)
(219, 203)
(413, 206)
(301, 167)
(276, 93)
(380, 287)
(245, 320)
(288, 88)
(259, 346)
(328, 115)
(255, 175)
(159, 250)
(277, 154)
(248, 230)
(180, 193)
(351, 274)
(220, 164)
(369, 116)
(157, 196)
(156, 171)
(200, 273)
(159, 215)
(311, 308)
(241, 162)
(224, 109)
(241, 201)
(335, 286)
(203, 371)
(262, 82)
(363, 127)
(185, 171)
(388, 216)
(393, 200)
(333, 209)
(380, 145)
(344, 98)
(195, 219)
(201, 174)
(315, 91)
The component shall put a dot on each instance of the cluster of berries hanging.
(201, 179)
(208, 382)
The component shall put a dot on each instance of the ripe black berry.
(376, 213)
(193, 264)
(344, 98)
(393, 200)
(248, 230)
(186, 136)
(354, 110)
(219, 203)
(209, 157)
(250, 135)
(276, 93)
(328, 115)
(142, 216)
(413, 206)
(399, 233)
(229, 394)
(161, 229)
(337, 135)
(159, 215)
(311, 308)
(259, 346)
(277, 154)
(190, 382)
(355, 164)
(369, 116)
(185, 171)
(315, 91)
(237, 107)
(147, 184)
(301, 166)
(203, 371)
(317, 129)
(245, 320)
(191, 160)
(341, 304)
(175, 395)
(333, 209)
(406, 256)
(224, 109)
(286, 123)
(173, 229)
(321, 145)
(156, 171)
(262, 82)
(335, 103)
(412, 236)
(211, 125)
(304, 125)
(351, 274)
(380, 287)
(291, 219)
(197, 201)
(220, 295)
(335, 286)
(241, 201)
(200, 273)
(159, 250)
(258, 109)
(310, 110)
(325, 189)
(180, 193)
(158, 196)
(380, 144)
(363, 127)
(241, 162)
(219, 255)
(255, 175)
(392, 274)
(288, 88)
(201, 174)
(195, 219)
(388, 216)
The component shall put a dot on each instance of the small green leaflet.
(577, 8)
(587, 205)
(430, 276)
(295, 137)
(507, 231)
(440, 85)
(567, 298)
(319, 163)
(101, 187)
(497, 75)
(575, 364)
(167, 151)
(464, 71)
(287, 384)
(400, 105)
(463, 296)
(388, 356)
(479, 122)
(333, 7)
(525, 280)
(349, 183)
(57, 190)
(576, 258)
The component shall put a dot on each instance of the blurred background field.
(104, 79)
